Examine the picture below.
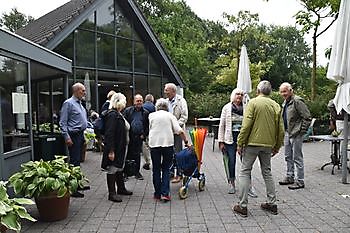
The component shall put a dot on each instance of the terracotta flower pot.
(51, 208)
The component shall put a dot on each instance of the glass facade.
(109, 53)
(14, 98)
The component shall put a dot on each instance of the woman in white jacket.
(230, 125)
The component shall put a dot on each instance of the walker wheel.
(184, 180)
(183, 192)
(201, 185)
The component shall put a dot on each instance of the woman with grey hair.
(162, 127)
(116, 141)
(229, 128)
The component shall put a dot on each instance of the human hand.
(239, 150)
(111, 156)
(69, 142)
(274, 152)
(222, 147)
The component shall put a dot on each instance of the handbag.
(130, 167)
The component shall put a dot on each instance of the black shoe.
(114, 197)
(146, 166)
(77, 194)
(243, 211)
(272, 208)
(84, 188)
(124, 192)
(286, 181)
(138, 176)
(296, 185)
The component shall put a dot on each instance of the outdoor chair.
(310, 131)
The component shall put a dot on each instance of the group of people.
(158, 130)
(258, 130)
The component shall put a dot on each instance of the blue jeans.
(161, 160)
(231, 152)
(75, 150)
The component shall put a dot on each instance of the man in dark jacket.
(149, 106)
(137, 117)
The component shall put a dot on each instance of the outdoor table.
(335, 149)
(209, 121)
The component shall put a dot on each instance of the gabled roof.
(51, 29)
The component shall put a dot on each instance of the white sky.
(278, 12)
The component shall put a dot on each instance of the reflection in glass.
(141, 85)
(14, 100)
(153, 66)
(89, 23)
(87, 77)
(66, 47)
(105, 17)
(85, 48)
(105, 48)
(124, 54)
(122, 25)
(155, 87)
(141, 63)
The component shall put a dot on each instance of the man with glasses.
(73, 122)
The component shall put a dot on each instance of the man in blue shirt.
(73, 122)
(149, 106)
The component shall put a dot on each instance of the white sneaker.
(232, 189)
(252, 193)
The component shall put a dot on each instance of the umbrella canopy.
(87, 91)
(198, 136)
(339, 70)
(244, 81)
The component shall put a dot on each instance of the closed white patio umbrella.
(244, 81)
(339, 71)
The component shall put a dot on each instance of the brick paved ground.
(317, 208)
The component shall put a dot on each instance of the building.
(24, 66)
(111, 46)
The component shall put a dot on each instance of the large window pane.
(105, 51)
(155, 87)
(66, 47)
(141, 85)
(153, 66)
(105, 17)
(85, 46)
(14, 100)
(141, 63)
(89, 23)
(124, 54)
(87, 77)
(122, 25)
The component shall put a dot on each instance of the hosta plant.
(11, 209)
(38, 178)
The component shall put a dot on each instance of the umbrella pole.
(344, 153)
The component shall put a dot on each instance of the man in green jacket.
(296, 119)
(261, 136)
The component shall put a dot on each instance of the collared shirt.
(73, 117)
(171, 104)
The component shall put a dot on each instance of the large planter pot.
(51, 208)
(3, 229)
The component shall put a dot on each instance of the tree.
(14, 20)
(310, 19)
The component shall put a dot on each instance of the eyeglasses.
(239, 94)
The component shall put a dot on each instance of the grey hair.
(233, 94)
(162, 104)
(264, 87)
(171, 86)
(149, 97)
(286, 85)
(118, 101)
(110, 94)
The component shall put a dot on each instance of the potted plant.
(50, 183)
(12, 211)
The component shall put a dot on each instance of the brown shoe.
(286, 181)
(176, 179)
(272, 208)
(243, 211)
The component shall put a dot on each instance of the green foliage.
(37, 178)
(11, 209)
(46, 128)
(205, 104)
(14, 20)
(89, 136)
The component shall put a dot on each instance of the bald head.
(78, 90)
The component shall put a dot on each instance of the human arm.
(247, 124)
(184, 113)
(222, 128)
(304, 114)
(64, 123)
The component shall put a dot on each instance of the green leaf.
(11, 221)
(22, 213)
(62, 191)
(23, 201)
